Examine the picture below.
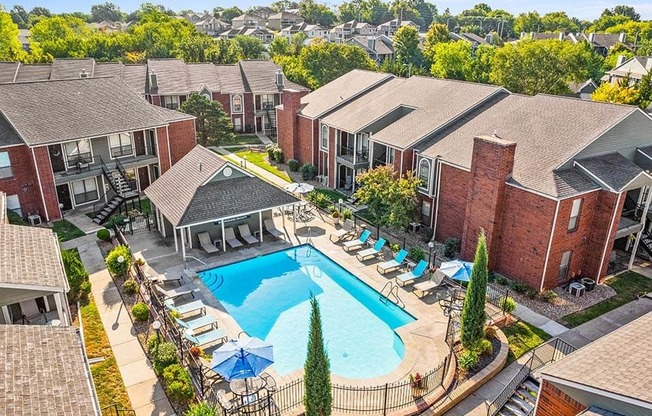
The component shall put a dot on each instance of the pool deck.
(425, 348)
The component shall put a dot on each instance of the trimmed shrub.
(152, 342)
(452, 247)
(84, 291)
(484, 347)
(117, 219)
(163, 356)
(490, 332)
(178, 383)
(308, 172)
(270, 151)
(501, 280)
(417, 254)
(395, 247)
(131, 287)
(140, 311)
(347, 214)
(104, 234)
(467, 360)
(201, 409)
(77, 275)
(318, 199)
(116, 267)
(293, 164)
(278, 154)
(508, 304)
(549, 296)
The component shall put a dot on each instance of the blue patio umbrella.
(242, 358)
(457, 270)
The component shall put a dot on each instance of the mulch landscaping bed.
(463, 375)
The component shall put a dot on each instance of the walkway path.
(81, 221)
(263, 138)
(528, 315)
(260, 172)
(145, 392)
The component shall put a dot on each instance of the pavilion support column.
(163, 232)
(294, 219)
(47, 304)
(260, 225)
(6, 315)
(189, 238)
(183, 243)
(223, 237)
(176, 243)
(63, 314)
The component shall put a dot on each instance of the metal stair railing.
(104, 200)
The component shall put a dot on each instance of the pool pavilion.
(203, 193)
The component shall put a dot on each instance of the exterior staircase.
(120, 191)
(522, 402)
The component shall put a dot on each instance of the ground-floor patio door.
(63, 193)
(259, 124)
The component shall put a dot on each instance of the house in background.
(389, 28)
(278, 21)
(582, 90)
(344, 31)
(311, 31)
(603, 42)
(211, 26)
(378, 48)
(635, 68)
(264, 12)
(248, 21)
(24, 36)
(472, 38)
(264, 35)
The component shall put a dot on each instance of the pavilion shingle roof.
(595, 365)
(30, 256)
(43, 372)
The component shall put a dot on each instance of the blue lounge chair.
(393, 264)
(195, 306)
(206, 337)
(195, 324)
(415, 274)
(357, 243)
(371, 252)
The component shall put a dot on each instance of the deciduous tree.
(62, 37)
(213, 125)
(473, 314)
(252, 47)
(316, 13)
(318, 397)
(528, 22)
(106, 11)
(228, 14)
(10, 47)
(406, 46)
(20, 16)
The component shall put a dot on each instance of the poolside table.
(247, 388)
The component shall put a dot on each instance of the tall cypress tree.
(473, 314)
(317, 374)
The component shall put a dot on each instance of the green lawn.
(627, 286)
(258, 159)
(106, 375)
(244, 139)
(331, 194)
(522, 338)
(65, 230)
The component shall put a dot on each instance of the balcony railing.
(85, 157)
(347, 153)
(121, 151)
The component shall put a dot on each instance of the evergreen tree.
(212, 124)
(473, 314)
(317, 374)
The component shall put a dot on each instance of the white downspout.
(606, 244)
(552, 233)
(434, 226)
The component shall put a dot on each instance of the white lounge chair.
(413, 275)
(31, 313)
(392, 264)
(206, 337)
(175, 292)
(358, 242)
(195, 324)
(206, 243)
(371, 252)
(164, 278)
(348, 228)
(229, 236)
(270, 227)
(245, 233)
(191, 307)
(429, 286)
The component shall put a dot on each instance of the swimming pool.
(269, 298)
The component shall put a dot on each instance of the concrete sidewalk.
(528, 315)
(145, 392)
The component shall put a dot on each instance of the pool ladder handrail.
(393, 291)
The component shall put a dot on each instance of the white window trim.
(71, 189)
(567, 265)
(133, 145)
(321, 137)
(233, 105)
(579, 202)
(65, 154)
(425, 188)
(178, 101)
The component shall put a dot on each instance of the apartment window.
(424, 173)
(237, 104)
(575, 215)
(120, 145)
(237, 124)
(324, 136)
(390, 156)
(563, 267)
(426, 207)
(85, 191)
(267, 101)
(78, 152)
(5, 166)
(171, 102)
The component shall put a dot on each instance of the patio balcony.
(352, 158)
(95, 169)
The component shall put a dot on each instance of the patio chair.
(196, 306)
(195, 324)
(348, 228)
(372, 252)
(164, 278)
(230, 407)
(245, 233)
(229, 236)
(31, 313)
(206, 243)
(205, 337)
(357, 243)
(429, 286)
(175, 292)
(393, 264)
(270, 383)
(270, 227)
(413, 275)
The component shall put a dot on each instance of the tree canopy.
(473, 313)
(106, 11)
(10, 47)
(212, 124)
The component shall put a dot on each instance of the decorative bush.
(84, 291)
(178, 383)
(417, 254)
(140, 311)
(452, 247)
(308, 172)
(347, 214)
(77, 275)
(116, 267)
(473, 312)
(201, 409)
(278, 155)
(318, 199)
(467, 360)
(270, 151)
(117, 219)
(131, 287)
(395, 247)
(549, 296)
(152, 342)
(335, 213)
(501, 280)
(490, 332)
(293, 164)
(195, 351)
(508, 304)
(484, 347)
(104, 234)
(164, 356)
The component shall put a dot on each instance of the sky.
(583, 9)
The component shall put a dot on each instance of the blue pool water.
(269, 298)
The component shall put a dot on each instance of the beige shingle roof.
(8, 71)
(203, 74)
(597, 364)
(133, 75)
(230, 79)
(171, 74)
(34, 72)
(260, 77)
(43, 372)
(184, 177)
(71, 68)
(30, 256)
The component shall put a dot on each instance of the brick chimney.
(491, 165)
(287, 122)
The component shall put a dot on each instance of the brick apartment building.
(559, 184)
(91, 143)
(248, 91)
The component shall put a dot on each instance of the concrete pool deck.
(425, 348)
